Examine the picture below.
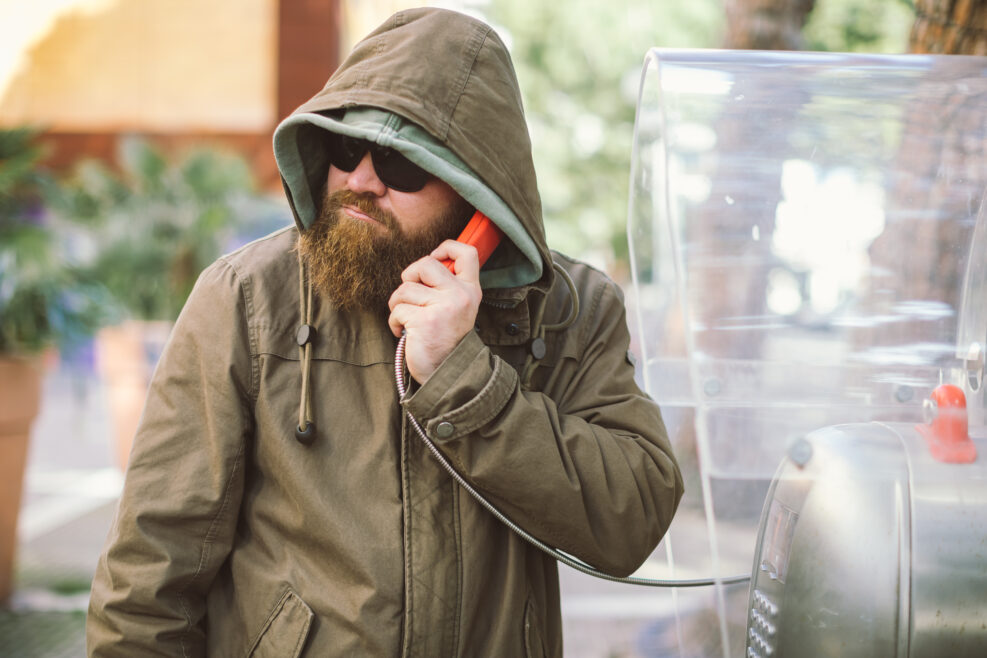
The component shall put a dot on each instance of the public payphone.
(809, 247)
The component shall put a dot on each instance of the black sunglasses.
(393, 169)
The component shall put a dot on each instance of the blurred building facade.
(179, 72)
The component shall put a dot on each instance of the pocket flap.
(285, 631)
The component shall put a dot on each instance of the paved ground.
(70, 496)
(70, 493)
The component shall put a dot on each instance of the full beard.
(355, 266)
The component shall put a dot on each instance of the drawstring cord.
(305, 430)
(538, 347)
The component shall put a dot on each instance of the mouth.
(358, 214)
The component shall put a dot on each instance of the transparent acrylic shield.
(809, 249)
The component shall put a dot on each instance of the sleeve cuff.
(469, 388)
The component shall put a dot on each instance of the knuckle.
(463, 298)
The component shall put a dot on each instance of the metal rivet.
(800, 452)
(444, 430)
(538, 348)
(903, 393)
(305, 335)
(512, 329)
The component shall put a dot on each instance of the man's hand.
(435, 307)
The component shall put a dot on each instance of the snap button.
(305, 335)
(538, 348)
(444, 429)
(512, 329)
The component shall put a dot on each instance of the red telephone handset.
(482, 234)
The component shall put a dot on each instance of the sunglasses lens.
(394, 170)
(345, 153)
(398, 172)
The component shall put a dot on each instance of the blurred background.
(135, 148)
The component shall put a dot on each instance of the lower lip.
(356, 214)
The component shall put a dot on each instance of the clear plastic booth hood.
(809, 251)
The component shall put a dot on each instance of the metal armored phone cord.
(555, 553)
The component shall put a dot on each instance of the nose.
(363, 179)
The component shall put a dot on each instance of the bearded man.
(276, 503)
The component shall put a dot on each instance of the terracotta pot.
(126, 357)
(20, 398)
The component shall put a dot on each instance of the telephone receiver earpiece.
(482, 234)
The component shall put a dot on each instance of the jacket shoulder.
(590, 282)
(599, 304)
(266, 271)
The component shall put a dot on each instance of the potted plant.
(159, 224)
(45, 302)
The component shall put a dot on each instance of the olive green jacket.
(233, 538)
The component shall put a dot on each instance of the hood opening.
(301, 148)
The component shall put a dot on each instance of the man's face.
(413, 211)
(367, 234)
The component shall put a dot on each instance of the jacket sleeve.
(177, 514)
(588, 470)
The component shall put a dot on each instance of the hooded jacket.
(234, 538)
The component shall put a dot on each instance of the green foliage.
(45, 298)
(871, 26)
(579, 63)
(159, 224)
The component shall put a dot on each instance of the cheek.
(336, 179)
(428, 206)
(441, 196)
(413, 211)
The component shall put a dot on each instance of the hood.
(439, 87)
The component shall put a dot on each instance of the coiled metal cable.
(555, 553)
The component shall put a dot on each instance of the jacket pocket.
(533, 645)
(285, 630)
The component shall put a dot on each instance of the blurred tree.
(45, 298)
(579, 63)
(948, 167)
(753, 25)
(157, 223)
(872, 26)
(949, 27)
(766, 24)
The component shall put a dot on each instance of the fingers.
(434, 306)
(399, 316)
(418, 295)
(431, 271)
(467, 263)
(409, 292)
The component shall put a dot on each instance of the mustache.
(363, 202)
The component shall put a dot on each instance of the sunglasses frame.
(392, 168)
